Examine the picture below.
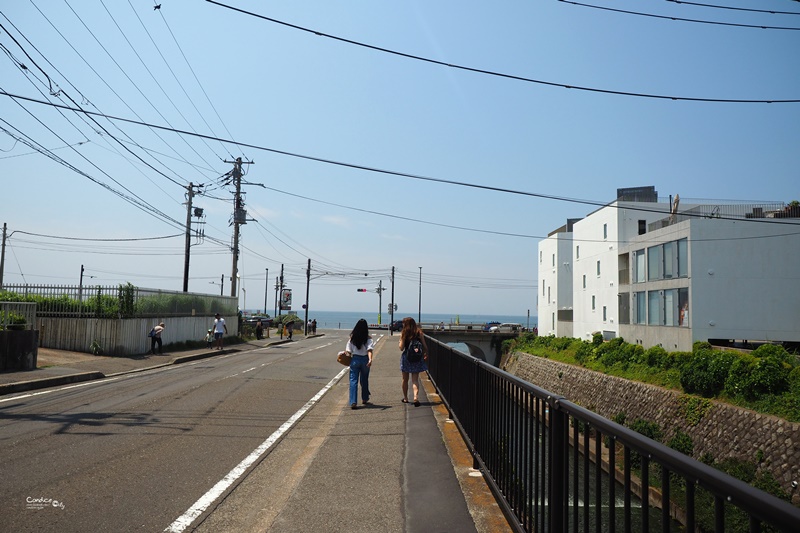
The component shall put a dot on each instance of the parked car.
(489, 325)
(506, 326)
(397, 325)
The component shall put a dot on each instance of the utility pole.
(266, 288)
(275, 312)
(3, 256)
(308, 284)
(239, 217)
(199, 212)
(391, 309)
(280, 305)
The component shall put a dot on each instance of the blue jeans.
(359, 368)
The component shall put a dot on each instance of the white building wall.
(597, 239)
(555, 283)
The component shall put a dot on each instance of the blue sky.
(282, 89)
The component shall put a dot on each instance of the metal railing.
(557, 467)
(123, 301)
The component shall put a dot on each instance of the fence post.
(558, 424)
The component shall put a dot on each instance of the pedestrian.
(259, 330)
(314, 326)
(290, 329)
(412, 333)
(309, 327)
(209, 338)
(359, 346)
(219, 329)
(155, 338)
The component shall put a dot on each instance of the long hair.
(360, 333)
(410, 331)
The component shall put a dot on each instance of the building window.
(683, 258)
(598, 268)
(640, 307)
(639, 266)
(542, 288)
(553, 319)
(605, 231)
(655, 266)
(548, 294)
(654, 309)
(577, 252)
(554, 259)
(584, 281)
(670, 259)
(605, 313)
(642, 227)
(683, 308)
(593, 303)
(540, 257)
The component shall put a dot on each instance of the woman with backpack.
(360, 348)
(414, 357)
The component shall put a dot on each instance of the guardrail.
(557, 467)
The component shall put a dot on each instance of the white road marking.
(68, 387)
(200, 506)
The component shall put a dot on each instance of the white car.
(506, 326)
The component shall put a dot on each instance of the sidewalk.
(417, 477)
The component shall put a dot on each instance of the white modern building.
(705, 272)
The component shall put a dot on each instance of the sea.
(347, 319)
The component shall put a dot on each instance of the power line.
(500, 74)
(751, 10)
(665, 17)
(408, 175)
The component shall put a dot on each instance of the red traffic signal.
(361, 290)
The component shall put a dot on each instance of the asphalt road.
(136, 452)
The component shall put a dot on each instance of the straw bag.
(344, 358)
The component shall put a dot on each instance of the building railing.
(123, 301)
(557, 467)
(743, 211)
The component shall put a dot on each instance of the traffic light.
(361, 290)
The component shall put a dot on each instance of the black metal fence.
(557, 467)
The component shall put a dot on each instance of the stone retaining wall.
(724, 430)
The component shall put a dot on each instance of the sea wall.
(722, 430)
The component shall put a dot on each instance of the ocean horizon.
(347, 319)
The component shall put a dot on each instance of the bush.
(677, 359)
(597, 339)
(655, 357)
(681, 442)
(584, 352)
(706, 372)
(648, 429)
(751, 377)
(776, 352)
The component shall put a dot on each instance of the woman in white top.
(360, 347)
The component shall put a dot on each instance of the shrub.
(677, 359)
(751, 377)
(655, 357)
(584, 352)
(648, 429)
(776, 352)
(701, 345)
(681, 442)
(706, 372)
(597, 339)
(611, 352)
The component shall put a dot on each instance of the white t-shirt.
(219, 325)
(360, 351)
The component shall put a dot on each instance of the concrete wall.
(122, 337)
(724, 431)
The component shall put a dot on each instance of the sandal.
(416, 403)
(404, 400)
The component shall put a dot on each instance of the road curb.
(24, 386)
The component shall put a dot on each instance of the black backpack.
(414, 351)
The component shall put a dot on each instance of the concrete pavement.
(361, 467)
